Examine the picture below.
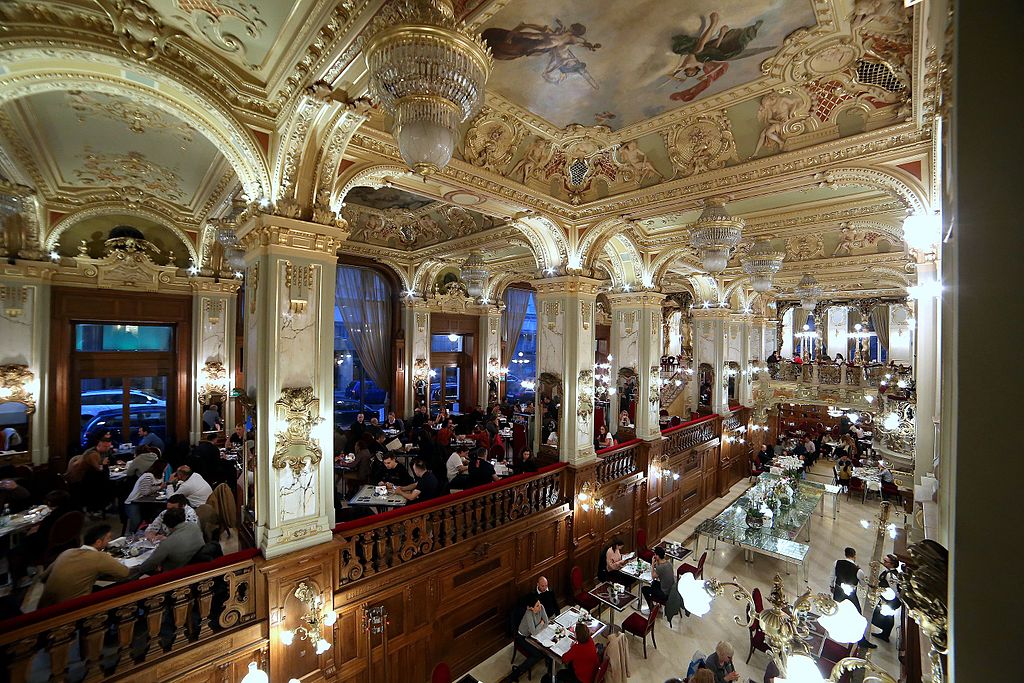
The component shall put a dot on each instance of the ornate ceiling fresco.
(605, 125)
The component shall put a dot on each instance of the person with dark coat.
(846, 576)
(884, 616)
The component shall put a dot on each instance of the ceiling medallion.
(715, 234)
(761, 263)
(429, 74)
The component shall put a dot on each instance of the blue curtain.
(364, 299)
(517, 303)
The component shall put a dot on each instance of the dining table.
(555, 639)
(676, 551)
(612, 595)
(20, 522)
(368, 496)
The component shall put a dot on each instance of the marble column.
(214, 305)
(565, 349)
(709, 346)
(290, 279)
(837, 327)
(488, 353)
(744, 386)
(636, 321)
(25, 340)
(926, 373)
(416, 323)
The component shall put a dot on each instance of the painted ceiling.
(84, 141)
(616, 62)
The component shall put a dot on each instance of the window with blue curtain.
(523, 365)
(362, 345)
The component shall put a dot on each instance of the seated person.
(613, 563)
(545, 595)
(191, 485)
(177, 549)
(481, 471)
(663, 578)
(603, 439)
(144, 458)
(720, 664)
(158, 529)
(32, 546)
(238, 437)
(480, 435)
(533, 622)
(376, 444)
(552, 439)
(362, 466)
(582, 657)
(527, 463)
(148, 438)
(392, 422)
(425, 487)
(74, 572)
(457, 468)
(14, 495)
(388, 471)
(148, 483)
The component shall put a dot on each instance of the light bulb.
(331, 618)
(675, 476)
(255, 675)
(453, 337)
(608, 510)
(586, 507)
(801, 669)
(846, 625)
(322, 646)
(287, 637)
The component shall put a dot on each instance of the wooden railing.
(689, 434)
(617, 462)
(130, 626)
(376, 544)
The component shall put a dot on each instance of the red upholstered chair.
(642, 551)
(856, 485)
(580, 596)
(641, 626)
(442, 674)
(698, 571)
(65, 533)
(601, 671)
(757, 640)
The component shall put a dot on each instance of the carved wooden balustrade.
(690, 434)
(130, 626)
(617, 462)
(375, 544)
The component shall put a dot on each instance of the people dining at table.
(535, 618)
(719, 663)
(481, 471)
(33, 545)
(76, 570)
(87, 478)
(604, 439)
(144, 458)
(158, 529)
(177, 549)
(392, 422)
(545, 594)
(239, 436)
(388, 471)
(662, 578)
(424, 487)
(527, 463)
(190, 484)
(148, 438)
(457, 468)
(149, 483)
(581, 660)
(611, 563)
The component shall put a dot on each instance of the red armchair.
(757, 639)
(641, 626)
(442, 674)
(580, 596)
(642, 551)
(698, 571)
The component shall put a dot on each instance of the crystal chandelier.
(761, 263)
(474, 273)
(429, 74)
(715, 235)
(808, 290)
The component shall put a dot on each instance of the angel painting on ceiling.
(706, 56)
(527, 40)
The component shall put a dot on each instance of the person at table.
(388, 471)
(376, 443)
(144, 458)
(720, 664)
(211, 419)
(546, 596)
(526, 464)
(74, 572)
(358, 428)
(445, 434)
(87, 478)
(158, 529)
(425, 486)
(34, 543)
(581, 660)
(148, 438)
(149, 483)
(237, 437)
(191, 485)
(14, 495)
(392, 422)
(613, 564)
(810, 450)
(662, 578)
(533, 622)
(884, 616)
(552, 439)
(603, 439)
(844, 467)
(774, 358)
(480, 435)
(177, 549)
(481, 471)
(491, 426)
(457, 468)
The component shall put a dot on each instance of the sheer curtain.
(364, 299)
(880, 321)
(517, 301)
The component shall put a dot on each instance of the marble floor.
(678, 643)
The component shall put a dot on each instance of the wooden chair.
(757, 638)
(602, 671)
(441, 674)
(642, 551)
(65, 533)
(580, 596)
(641, 626)
(698, 571)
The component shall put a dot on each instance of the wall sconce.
(316, 619)
(16, 382)
(495, 372)
(420, 372)
(587, 498)
(661, 466)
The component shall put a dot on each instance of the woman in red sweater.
(582, 658)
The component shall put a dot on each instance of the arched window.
(362, 344)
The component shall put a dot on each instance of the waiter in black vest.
(889, 603)
(846, 576)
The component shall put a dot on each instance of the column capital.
(566, 284)
(712, 313)
(210, 287)
(264, 231)
(742, 317)
(635, 299)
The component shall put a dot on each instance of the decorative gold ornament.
(585, 387)
(16, 386)
(213, 383)
(317, 617)
(923, 587)
(298, 412)
(701, 144)
(13, 298)
(492, 141)
(298, 280)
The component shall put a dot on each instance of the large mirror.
(549, 407)
(706, 377)
(245, 454)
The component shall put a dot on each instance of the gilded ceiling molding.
(873, 177)
(120, 208)
(233, 140)
(594, 239)
(374, 176)
(425, 274)
(681, 255)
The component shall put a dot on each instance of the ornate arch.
(370, 176)
(911, 197)
(78, 72)
(497, 286)
(666, 259)
(107, 208)
(425, 275)
(594, 240)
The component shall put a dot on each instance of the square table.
(676, 551)
(554, 646)
(23, 521)
(617, 600)
(117, 472)
(367, 497)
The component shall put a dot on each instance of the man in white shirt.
(457, 468)
(191, 485)
(157, 530)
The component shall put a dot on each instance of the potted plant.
(754, 517)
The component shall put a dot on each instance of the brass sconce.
(316, 619)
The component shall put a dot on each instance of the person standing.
(846, 576)
(884, 616)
